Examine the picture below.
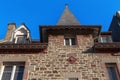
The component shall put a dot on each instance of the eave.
(79, 29)
(36, 47)
(106, 33)
(107, 47)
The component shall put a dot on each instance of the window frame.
(24, 39)
(116, 70)
(108, 39)
(70, 41)
(105, 39)
(14, 67)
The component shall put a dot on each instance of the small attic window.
(106, 39)
(69, 40)
(21, 39)
(21, 35)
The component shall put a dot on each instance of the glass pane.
(6, 76)
(18, 76)
(112, 73)
(73, 41)
(19, 73)
(19, 68)
(104, 39)
(7, 73)
(8, 68)
(21, 39)
(67, 41)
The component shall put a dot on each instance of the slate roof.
(67, 18)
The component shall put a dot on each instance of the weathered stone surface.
(10, 31)
(54, 64)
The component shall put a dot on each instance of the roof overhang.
(106, 33)
(22, 47)
(78, 29)
(107, 47)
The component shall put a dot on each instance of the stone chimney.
(10, 31)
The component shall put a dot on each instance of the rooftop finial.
(66, 5)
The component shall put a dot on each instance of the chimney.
(10, 30)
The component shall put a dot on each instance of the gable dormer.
(105, 37)
(22, 35)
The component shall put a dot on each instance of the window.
(104, 39)
(112, 71)
(69, 41)
(73, 78)
(12, 71)
(21, 39)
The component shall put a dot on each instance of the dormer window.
(21, 35)
(70, 40)
(105, 39)
(21, 39)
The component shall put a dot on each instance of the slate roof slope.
(67, 18)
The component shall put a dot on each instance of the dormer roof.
(22, 26)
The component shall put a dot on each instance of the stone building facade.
(66, 51)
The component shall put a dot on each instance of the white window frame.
(13, 71)
(70, 41)
(17, 37)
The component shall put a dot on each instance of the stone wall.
(55, 63)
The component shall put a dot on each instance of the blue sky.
(47, 12)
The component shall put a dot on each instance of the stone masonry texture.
(52, 64)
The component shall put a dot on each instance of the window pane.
(112, 73)
(72, 41)
(19, 73)
(67, 41)
(7, 73)
(104, 39)
(21, 39)
(19, 68)
(8, 68)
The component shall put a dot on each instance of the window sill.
(71, 45)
